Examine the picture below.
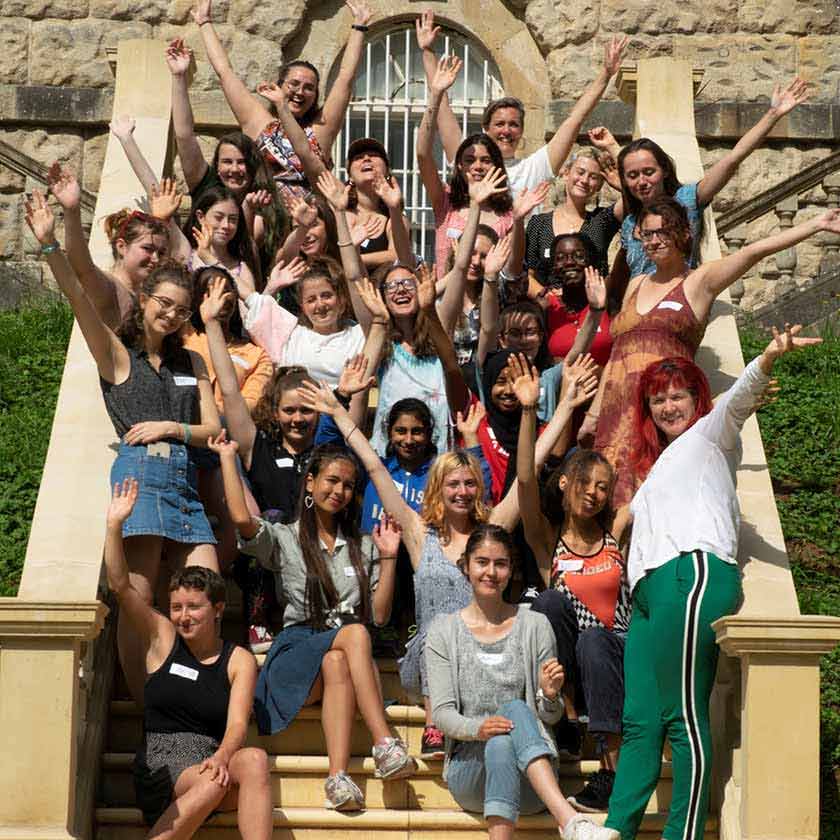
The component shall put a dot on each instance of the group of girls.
(236, 355)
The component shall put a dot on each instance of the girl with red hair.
(683, 574)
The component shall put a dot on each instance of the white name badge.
(238, 360)
(185, 380)
(670, 304)
(453, 233)
(570, 565)
(493, 659)
(547, 253)
(349, 571)
(284, 462)
(183, 671)
(365, 243)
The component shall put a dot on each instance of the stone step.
(384, 824)
(298, 782)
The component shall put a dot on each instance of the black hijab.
(505, 424)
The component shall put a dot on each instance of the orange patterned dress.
(670, 329)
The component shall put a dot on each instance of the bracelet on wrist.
(50, 248)
(360, 27)
(343, 244)
(187, 433)
(343, 399)
(387, 556)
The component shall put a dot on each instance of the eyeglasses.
(575, 257)
(529, 332)
(400, 283)
(662, 234)
(167, 305)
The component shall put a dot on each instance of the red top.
(563, 326)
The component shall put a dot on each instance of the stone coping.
(51, 619)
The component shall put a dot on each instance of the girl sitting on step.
(495, 686)
(329, 582)
(196, 700)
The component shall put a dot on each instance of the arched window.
(388, 102)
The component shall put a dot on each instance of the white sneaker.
(343, 793)
(392, 760)
(582, 828)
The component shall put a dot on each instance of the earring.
(308, 501)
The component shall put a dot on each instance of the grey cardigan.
(445, 691)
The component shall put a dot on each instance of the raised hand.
(283, 275)
(449, 66)
(529, 200)
(596, 289)
(318, 397)
(552, 678)
(497, 257)
(123, 499)
(122, 127)
(273, 92)
(370, 228)
(257, 199)
(372, 299)
(426, 292)
(426, 30)
(361, 11)
(601, 138)
(389, 191)
(468, 426)
(203, 241)
(386, 536)
(493, 183)
(40, 217)
(302, 212)
(178, 57)
(580, 381)
(336, 193)
(202, 12)
(786, 99)
(216, 298)
(526, 380)
(830, 220)
(223, 447)
(785, 342)
(609, 169)
(64, 186)
(613, 52)
(165, 199)
(353, 379)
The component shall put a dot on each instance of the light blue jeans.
(497, 784)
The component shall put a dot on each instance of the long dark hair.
(420, 411)
(253, 162)
(241, 246)
(315, 109)
(201, 280)
(131, 330)
(321, 595)
(285, 379)
(459, 192)
(576, 467)
(670, 182)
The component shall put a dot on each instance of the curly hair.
(422, 345)
(130, 225)
(200, 579)
(285, 379)
(674, 221)
(576, 467)
(432, 513)
(459, 191)
(325, 268)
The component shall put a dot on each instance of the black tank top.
(185, 696)
(375, 245)
(275, 478)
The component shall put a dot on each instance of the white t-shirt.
(529, 171)
(322, 355)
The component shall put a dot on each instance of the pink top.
(450, 224)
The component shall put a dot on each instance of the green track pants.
(669, 670)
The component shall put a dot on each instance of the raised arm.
(447, 123)
(322, 400)
(245, 524)
(399, 237)
(710, 279)
(564, 138)
(488, 329)
(178, 57)
(123, 129)
(108, 352)
(251, 115)
(523, 205)
(335, 105)
(596, 295)
(386, 536)
(164, 201)
(237, 416)
(493, 183)
(445, 74)
(781, 102)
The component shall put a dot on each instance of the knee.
(499, 752)
(250, 765)
(516, 711)
(334, 666)
(356, 638)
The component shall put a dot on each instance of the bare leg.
(195, 798)
(338, 708)
(500, 829)
(427, 707)
(252, 795)
(192, 554)
(541, 776)
(354, 642)
(143, 557)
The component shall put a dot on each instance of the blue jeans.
(496, 783)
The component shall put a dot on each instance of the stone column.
(39, 713)
(735, 240)
(786, 259)
(830, 241)
(780, 680)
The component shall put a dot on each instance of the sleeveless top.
(596, 584)
(275, 477)
(282, 161)
(440, 587)
(168, 394)
(375, 245)
(185, 696)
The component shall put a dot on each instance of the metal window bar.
(376, 110)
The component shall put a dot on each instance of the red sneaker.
(431, 745)
(259, 638)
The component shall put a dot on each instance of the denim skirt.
(167, 502)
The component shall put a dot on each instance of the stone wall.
(56, 80)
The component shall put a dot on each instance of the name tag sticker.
(570, 565)
(365, 243)
(349, 571)
(670, 304)
(185, 380)
(547, 253)
(453, 233)
(493, 659)
(238, 360)
(183, 671)
(284, 462)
